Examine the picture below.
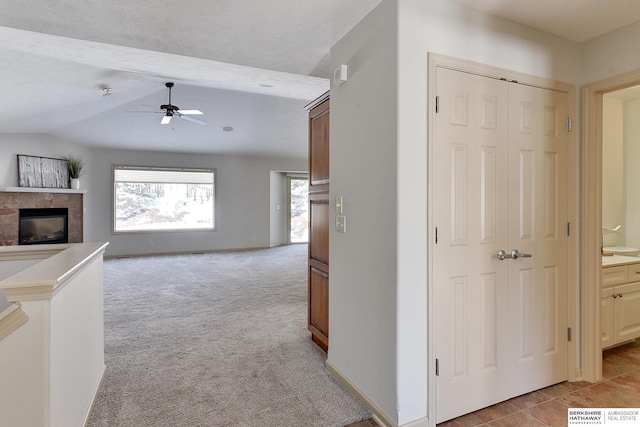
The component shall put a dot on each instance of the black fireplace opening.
(43, 226)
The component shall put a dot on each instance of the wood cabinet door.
(319, 145)
(627, 312)
(319, 221)
(319, 306)
(606, 317)
(319, 228)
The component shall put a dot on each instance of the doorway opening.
(298, 210)
(592, 218)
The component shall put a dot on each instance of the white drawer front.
(616, 275)
(634, 272)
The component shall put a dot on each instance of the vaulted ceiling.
(250, 65)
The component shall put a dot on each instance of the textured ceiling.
(248, 64)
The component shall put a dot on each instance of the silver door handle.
(515, 254)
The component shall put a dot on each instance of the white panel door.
(538, 143)
(471, 289)
(499, 323)
(627, 312)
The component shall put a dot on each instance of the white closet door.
(498, 322)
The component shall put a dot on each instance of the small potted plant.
(74, 165)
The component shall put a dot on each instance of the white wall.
(278, 208)
(443, 27)
(611, 55)
(362, 296)
(9, 268)
(76, 346)
(242, 202)
(379, 129)
(12, 144)
(608, 56)
(614, 209)
(25, 361)
(242, 194)
(52, 365)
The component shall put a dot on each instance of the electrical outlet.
(150, 243)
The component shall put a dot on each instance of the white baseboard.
(378, 415)
(191, 252)
(422, 422)
(96, 392)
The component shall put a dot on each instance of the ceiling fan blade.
(190, 112)
(192, 119)
(165, 120)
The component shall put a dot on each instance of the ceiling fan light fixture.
(172, 110)
(107, 91)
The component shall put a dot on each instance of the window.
(298, 210)
(163, 199)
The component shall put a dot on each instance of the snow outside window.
(163, 199)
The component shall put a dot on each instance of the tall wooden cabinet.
(319, 220)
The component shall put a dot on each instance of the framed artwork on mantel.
(42, 172)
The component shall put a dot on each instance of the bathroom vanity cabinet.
(620, 315)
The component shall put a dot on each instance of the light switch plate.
(341, 223)
(338, 205)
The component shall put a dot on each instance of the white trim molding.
(378, 415)
(11, 319)
(591, 219)
(48, 277)
(41, 190)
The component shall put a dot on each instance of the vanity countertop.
(608, 261)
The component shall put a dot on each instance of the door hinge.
(437, 104)
(436, 235)
(569, 334)
(569, 229)
(569, 124)
(437, 367)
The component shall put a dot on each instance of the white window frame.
(151, 169)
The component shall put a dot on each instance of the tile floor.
(619, 388)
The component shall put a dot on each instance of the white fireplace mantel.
(40, 190)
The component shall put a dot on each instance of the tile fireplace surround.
(11, 202)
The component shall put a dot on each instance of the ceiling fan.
(171, 111)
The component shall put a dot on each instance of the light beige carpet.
(215, 340)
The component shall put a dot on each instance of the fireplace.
(43, 226)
